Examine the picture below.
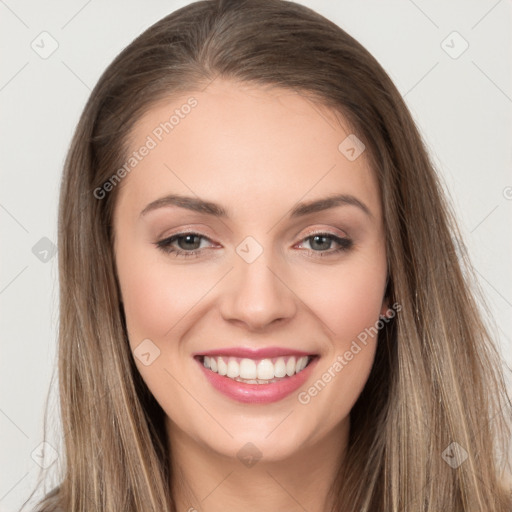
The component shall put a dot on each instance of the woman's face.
(264, 277)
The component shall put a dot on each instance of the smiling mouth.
(256, 371)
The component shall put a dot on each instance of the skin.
(257, 152)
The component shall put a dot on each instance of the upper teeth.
(264, 369)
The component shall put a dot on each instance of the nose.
(257, 294)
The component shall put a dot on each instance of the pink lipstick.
(256, 375)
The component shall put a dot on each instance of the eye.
(320, 243)
(185, 241)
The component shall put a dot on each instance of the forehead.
(245, 145)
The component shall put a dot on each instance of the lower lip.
(258, 393)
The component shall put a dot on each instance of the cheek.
(156, 295)
(348, 302)
(149, 302)
(158, 300)
(348, 299)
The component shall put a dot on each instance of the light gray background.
(462, 106)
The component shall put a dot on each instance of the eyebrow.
(301, 209)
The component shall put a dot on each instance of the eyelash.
(165, 245)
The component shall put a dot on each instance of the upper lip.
(254, 353)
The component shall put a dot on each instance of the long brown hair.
(437, 377)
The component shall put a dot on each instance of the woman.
(318, 347)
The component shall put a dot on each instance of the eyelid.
(182, 230)
(326, 231)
